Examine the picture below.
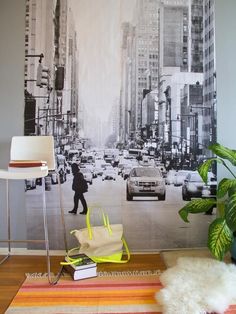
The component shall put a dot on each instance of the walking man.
(80, 186)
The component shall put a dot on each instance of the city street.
(149, 224)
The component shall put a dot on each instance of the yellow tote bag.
(102, 243)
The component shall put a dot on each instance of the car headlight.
(134, 183)
(206, 191)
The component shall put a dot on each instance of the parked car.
(109, 174)
(145, 181)
(193, 185)
(87, 175)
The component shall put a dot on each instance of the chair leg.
(8, 224)
(45, 224)
(62, 213)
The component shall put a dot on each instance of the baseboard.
(25, 251)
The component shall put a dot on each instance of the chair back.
(33, 148)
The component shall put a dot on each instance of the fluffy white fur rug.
(197, 286)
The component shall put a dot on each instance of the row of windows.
(153, 64)
(209, 65)
(153, 56)
(209, 50)
(209, 96)
(142, 84)
(209, 20)
(209, 35)
(145, 49)
(209, 81)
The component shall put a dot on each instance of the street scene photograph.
(127, 88)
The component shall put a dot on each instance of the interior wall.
(226, 70)
(12, 19)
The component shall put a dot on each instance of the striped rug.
(106, 294)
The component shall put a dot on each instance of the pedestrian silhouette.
(80, 186)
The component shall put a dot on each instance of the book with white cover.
(81, 273)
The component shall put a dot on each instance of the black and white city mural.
(128, 90)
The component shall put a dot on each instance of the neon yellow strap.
(72, 260)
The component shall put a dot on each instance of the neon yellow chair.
(32, 148)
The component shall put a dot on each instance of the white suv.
(145, 181)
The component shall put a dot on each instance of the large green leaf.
(205, 167)
(224, 186)
(224, 152)
(220, 238)
(196, 206)
(230, 212)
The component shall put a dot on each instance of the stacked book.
(82, 269)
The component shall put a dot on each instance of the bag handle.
(72, 260)
(106, 223)
(101, 259)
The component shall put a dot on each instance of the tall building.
(181, 67)
(50, 45)
(127, 94)
(147, 51)
(39, 40)
(209, 86)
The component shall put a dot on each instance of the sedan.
(145, 181)
(87, 175)
(193, 185)
(109, 174)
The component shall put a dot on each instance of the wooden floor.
(12, 271)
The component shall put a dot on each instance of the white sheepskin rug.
(197, 286)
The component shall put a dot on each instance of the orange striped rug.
(104, 294)
(108, 294)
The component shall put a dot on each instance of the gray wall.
(226, 73)
(12, 18)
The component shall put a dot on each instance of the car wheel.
(162, 197)
(128, 196)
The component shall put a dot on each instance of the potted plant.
(222, 231)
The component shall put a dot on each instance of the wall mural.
(128, 90)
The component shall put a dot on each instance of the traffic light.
(59, 82)
(42, 76)
(29, 115)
